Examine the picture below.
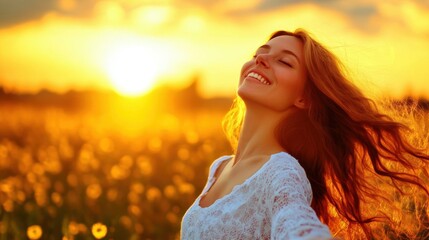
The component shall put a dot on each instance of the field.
(133, 169)
(117, 173)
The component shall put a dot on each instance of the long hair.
(347, 147)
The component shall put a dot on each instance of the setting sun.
(133, 70)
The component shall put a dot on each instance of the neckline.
(236, 187)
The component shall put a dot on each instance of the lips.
(258, 77)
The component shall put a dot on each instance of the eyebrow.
(265, 46)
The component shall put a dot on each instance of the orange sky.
(64, 44)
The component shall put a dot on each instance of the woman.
(306, 143)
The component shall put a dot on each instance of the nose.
(262, 59)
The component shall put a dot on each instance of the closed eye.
(286, 63)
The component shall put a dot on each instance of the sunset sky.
(133, 45)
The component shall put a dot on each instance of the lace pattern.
(274, 203)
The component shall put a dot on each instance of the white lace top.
(274, 203)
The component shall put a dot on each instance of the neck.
(257, 135)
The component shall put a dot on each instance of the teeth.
(259, 77)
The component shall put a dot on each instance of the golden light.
(94, 191)
(109, 11)
(67, 5)
(151, 15)
(193, 23)
(133, 69)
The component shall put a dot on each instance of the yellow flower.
(73, 228)
(94, 191)
(34, 232)
(99, 230)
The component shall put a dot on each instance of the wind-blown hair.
(351, 152)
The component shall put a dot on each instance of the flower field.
(67, 175)
(121, 173)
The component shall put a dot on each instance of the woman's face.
(275, 77)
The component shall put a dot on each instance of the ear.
(301, 103)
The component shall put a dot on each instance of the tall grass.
(401, 208)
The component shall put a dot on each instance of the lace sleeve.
(291, 215)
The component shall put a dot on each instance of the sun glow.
(133, 69)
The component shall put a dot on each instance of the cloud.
(13, 12)
(16, 11)
(375, 38)
(363, 14)
(360, 13)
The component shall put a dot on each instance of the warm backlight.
(132, 69)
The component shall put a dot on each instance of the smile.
(258, 77)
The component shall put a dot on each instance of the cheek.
(301, 83)
(293, 84)
(244, 69)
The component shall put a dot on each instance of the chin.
(244, 93)
(251, 93)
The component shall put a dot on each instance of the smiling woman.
(133, 69)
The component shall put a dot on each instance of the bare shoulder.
(218, 165)
(221, 167)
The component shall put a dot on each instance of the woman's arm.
(291, 214)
